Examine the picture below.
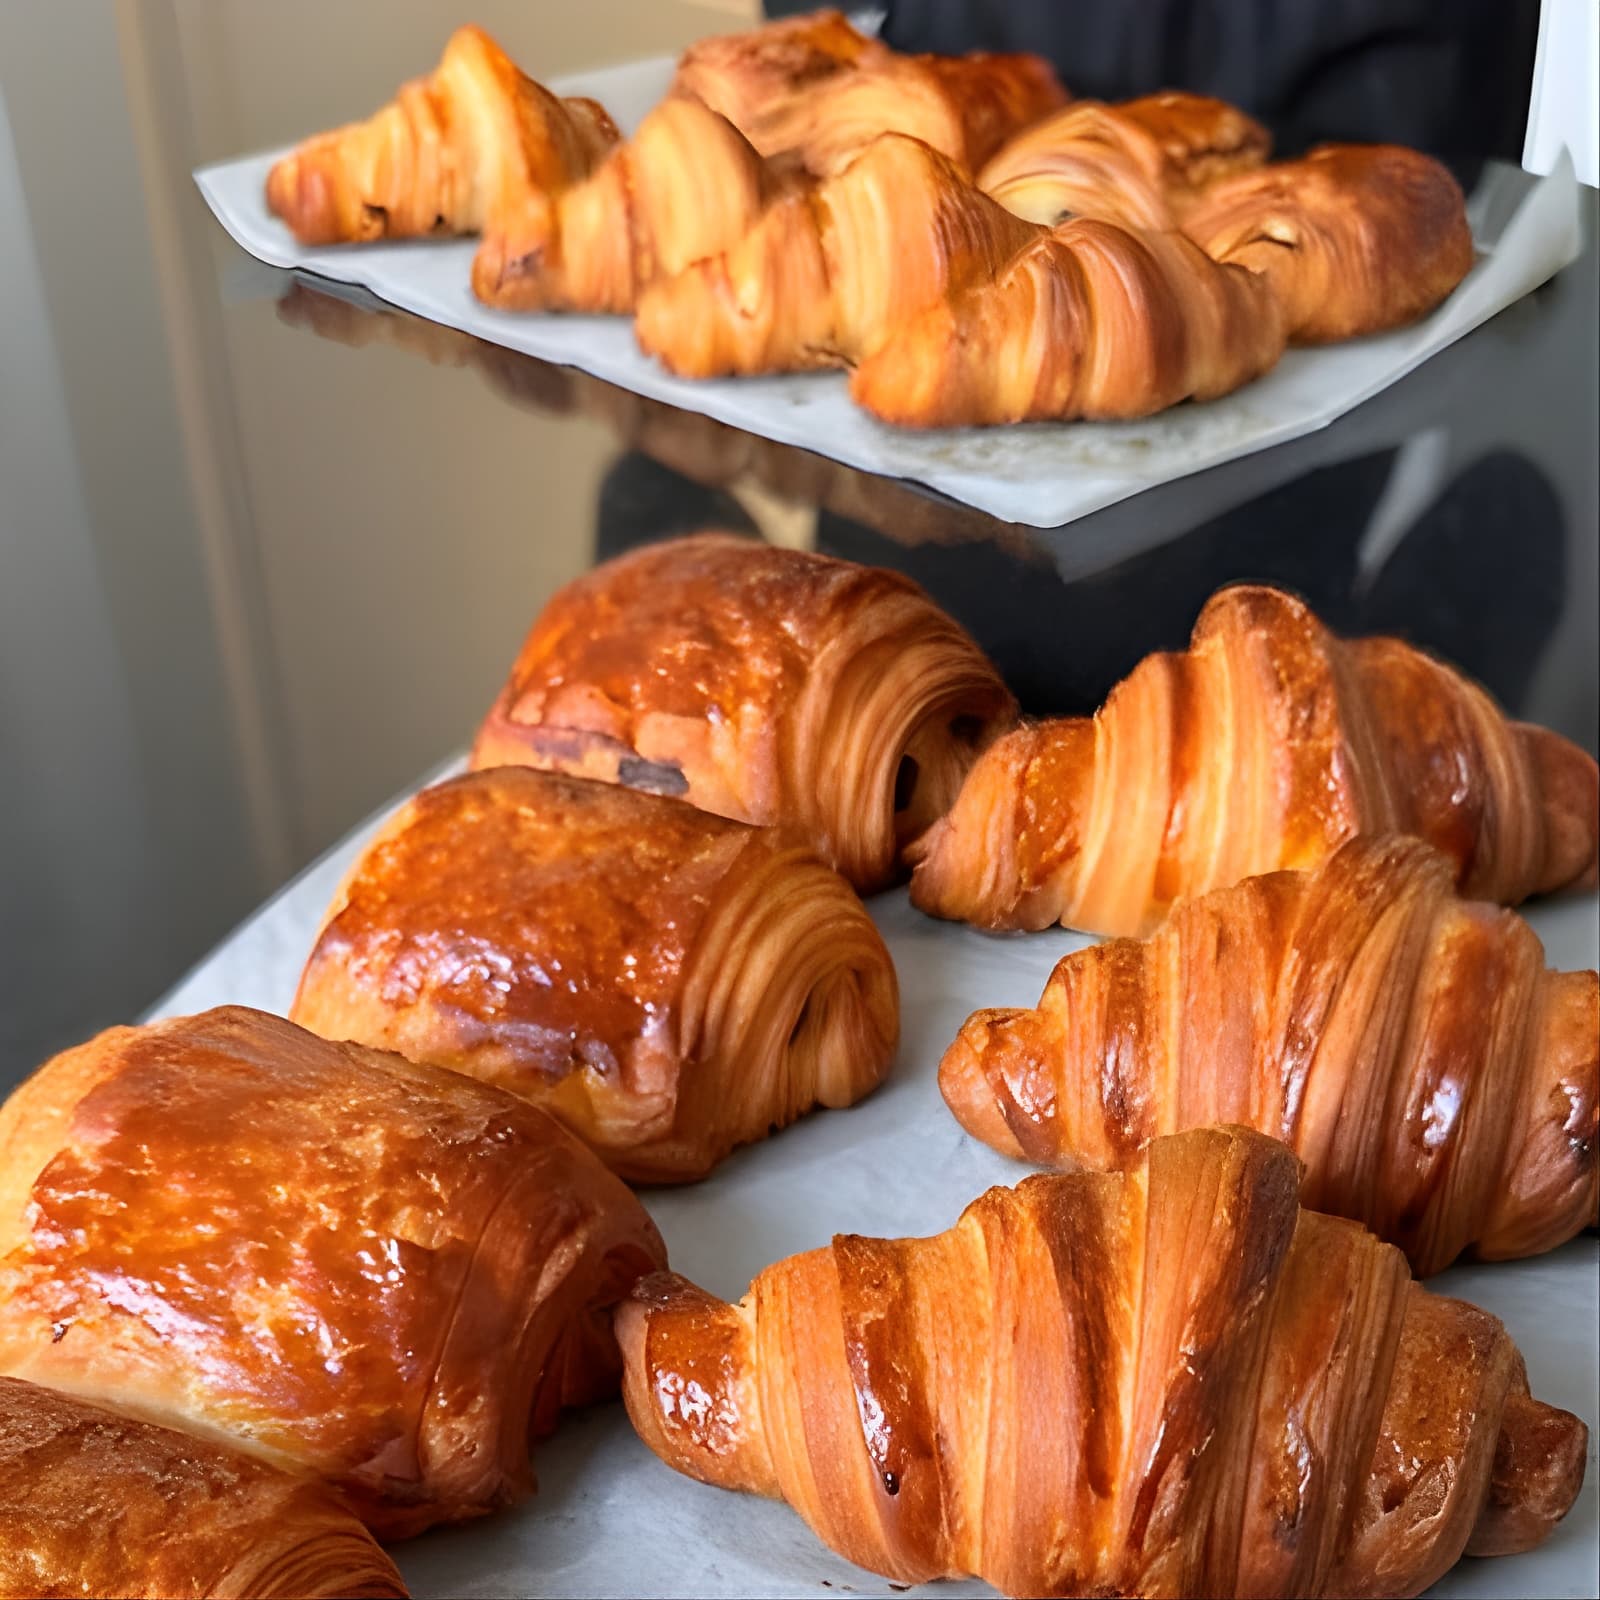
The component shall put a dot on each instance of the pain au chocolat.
(768, 685)
(668, 983)
(93, 1502)
(385, 1276)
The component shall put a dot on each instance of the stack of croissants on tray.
(973, 244)
(271, 1289)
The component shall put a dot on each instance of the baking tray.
(610, 1519)
(1040, 474)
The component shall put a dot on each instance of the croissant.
(666, 983)
(763, 80)
(1166, 1382)
(96, 1503)
(685, 186)
(1089, 320)
(1440, 1085)
(1139, 164)
(1353, 239)
(475, 144)
(825, 275)
(814, 88)
(385, 1276)
(763, 684)
(1266, 745)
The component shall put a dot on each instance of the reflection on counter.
(1388, 540)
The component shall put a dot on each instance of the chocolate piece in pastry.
(769, 685)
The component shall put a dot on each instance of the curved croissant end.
(1167, 1382)
(475, 142)
(1137, 164)
(1267, 744)
(1439, 1084)
(826, 274)
(685, 186)
(1353, 239)
(715, 981)
(772, 686)
(1091, 320)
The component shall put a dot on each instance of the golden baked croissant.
(1267, 744)
(383, 1275)
(764, 79)
(667, 983)
(1353, 239)
(1166, 1382)
(686, 185)
(96, 1503)
(1089, 320)
(768, 685)
(474, 144)
(1140, 163)
(1440, 1085)
(813, 87)
(825, 275)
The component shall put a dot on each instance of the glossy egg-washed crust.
(814, 89)
(666, 982)
(384, 1275)
(1139, 163)
(475, 146)
(1353, 239)
(767, 685)
(1440, 1085)
(1165, 1382)
(95, 1503)
(1267, 744)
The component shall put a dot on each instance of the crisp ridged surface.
(1353, 239)
(382, 1275)
(1441, 1086)
(1088, 320)
(666, 982)
(95, 1503)
(475, 146)
(1167, 1382)
(1139, 163)
(1266, 745)
(772, 686)
(827, 274)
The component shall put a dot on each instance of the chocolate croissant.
(96, 1503)
(667, 983)
(685, 186)
(813, 88)
(1166, 1382)
(472, 144)
(1089, 320)
(1140, 164)
(1439, 1084)
(1353, 239)
(826, 275)
(768, 685)
(382, 1275)
(1267, 744)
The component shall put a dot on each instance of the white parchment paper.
(610, 1519)
(1043, 474)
